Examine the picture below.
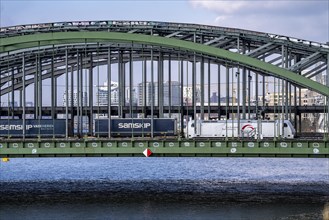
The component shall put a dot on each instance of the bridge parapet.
(164, 148)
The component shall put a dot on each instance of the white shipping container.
(243, 128)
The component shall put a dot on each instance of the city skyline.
(290, 15)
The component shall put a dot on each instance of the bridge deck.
(159, 148)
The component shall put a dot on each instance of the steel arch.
(10, 44)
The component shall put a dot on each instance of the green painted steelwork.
(36, 40)
(185, 148)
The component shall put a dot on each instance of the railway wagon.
(137, 127)
(248, 128)
(33, 128)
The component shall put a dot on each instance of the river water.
(164, 188)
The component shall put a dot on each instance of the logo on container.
(133, 125)
(15, 127)
(249, 130)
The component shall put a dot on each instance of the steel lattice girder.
(39, 40)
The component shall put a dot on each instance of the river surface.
(164, 188)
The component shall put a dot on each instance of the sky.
(305, 19)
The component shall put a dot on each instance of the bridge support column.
(109, 91)
(181, 76)
(81, 96)
(160, 85)
(327, 83)
(36, 88)
(256, 93)
(120, 83)
(123, 102)
(144, 83)
(67, 95)
(91, 96)
(169, 85)
(40, 89)
(202, 88)
(238, 101)
(12, 93)
(19, 71)
(1, 100)
(264, 93)
(24, 97)
(219, 113)
(227, 92)
(152, 91)
(244, 84)
(299, 104)
(296, 124)
(78, 94)
(194, 85)
(209, 84)
(71, 100)
(53, 84)
(131, 84)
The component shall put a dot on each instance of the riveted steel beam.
(253, 52)
(173, 34)
(216, 39)
(314, 69)
(306, 61)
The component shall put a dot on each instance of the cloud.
(221, 6)
(297, 18)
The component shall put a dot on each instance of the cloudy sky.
(306, 19)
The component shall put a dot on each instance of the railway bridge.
(58, 79)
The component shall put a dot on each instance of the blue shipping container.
(127, 127)
(33, 127)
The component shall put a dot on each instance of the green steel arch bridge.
(160, 70)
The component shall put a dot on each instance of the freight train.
(157, 127)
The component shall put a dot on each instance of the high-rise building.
(175, 93)
(133, 99)
(102, 94)
(188, 94)
(76, 102)
(75, 98)
(149, 93)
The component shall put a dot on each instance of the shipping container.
(245, 129)
(127, 127)
(33, 128)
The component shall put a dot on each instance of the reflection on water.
(325, 212)
(152, 210)
(164, 188)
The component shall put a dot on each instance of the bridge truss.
(161, 70)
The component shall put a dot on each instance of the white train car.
(248, 128)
